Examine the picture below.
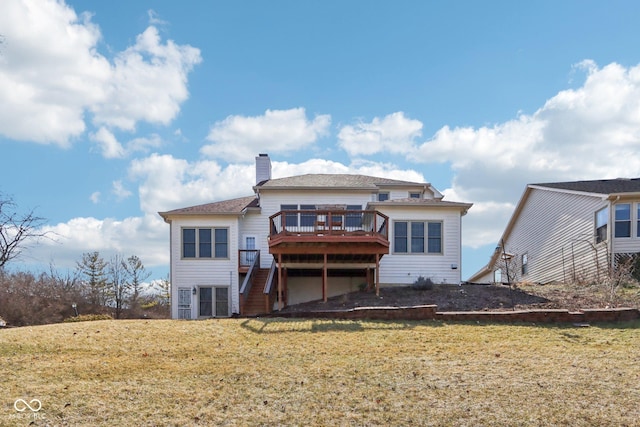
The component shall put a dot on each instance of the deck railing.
(329, 222)
(246, 257)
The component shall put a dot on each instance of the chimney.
(263, 168)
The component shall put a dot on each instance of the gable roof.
(333, 181)
(224, 207)
(601, 186)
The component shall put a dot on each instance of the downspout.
(610, 234)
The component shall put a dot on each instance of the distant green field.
(319, 372)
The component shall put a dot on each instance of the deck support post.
(324, 279)
(279, 282)
(286, 286)
(377, 275)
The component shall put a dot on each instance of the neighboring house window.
(291, 217)
(213, 301)
(410, 236)
(414, 195)
(497, 276)
(602, 219)
(525, 264)
(383, 196)
(354, 219)
(638, 218)
(623, 220)
(198, 243)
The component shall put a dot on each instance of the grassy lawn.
(320, 372)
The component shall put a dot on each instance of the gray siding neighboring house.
(567, 232)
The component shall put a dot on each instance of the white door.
(184, 303)
(249, 244)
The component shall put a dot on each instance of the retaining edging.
(429, 312)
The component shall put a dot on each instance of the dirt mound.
(473, 297)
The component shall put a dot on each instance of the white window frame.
(197, 243)
(214, 312)
(616, 221)
(637, 219)
(601, 214)
(425, 237)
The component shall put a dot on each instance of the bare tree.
(118, 283)
(136, 275)
(16, 229)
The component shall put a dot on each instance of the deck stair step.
(255, 303)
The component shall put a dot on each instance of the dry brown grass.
(320, 372)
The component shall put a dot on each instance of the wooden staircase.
(257, 301)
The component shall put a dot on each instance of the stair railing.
(248, 280)
(269, 288)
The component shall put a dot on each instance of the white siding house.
(567, 232)
(309, 237)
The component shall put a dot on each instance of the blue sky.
(113, 111)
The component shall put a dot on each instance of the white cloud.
(119, 191)
(591, 132)
(359, 167)
(146, 236)
(49, 71)
(144, 144)
(238, 138)
(95, 197)
(108, 144)
(149, 82)
(111, 148)
(393, 133)
(154, 18)
(51, 74)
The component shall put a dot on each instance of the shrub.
(422, 284)
(88, 318)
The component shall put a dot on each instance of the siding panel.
(557, 232)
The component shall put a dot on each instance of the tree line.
(96, 286)
(116, 287)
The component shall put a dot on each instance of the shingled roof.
(602, 186)
(225, 207)
(334, 181)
